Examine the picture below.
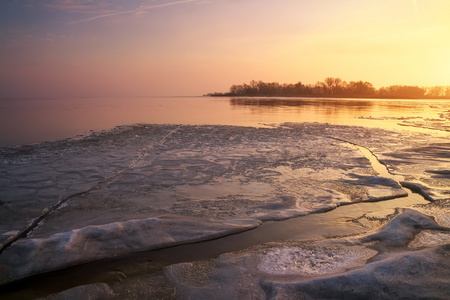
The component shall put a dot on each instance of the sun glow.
(442, 73)
(192, 47)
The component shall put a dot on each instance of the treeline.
(336, 87)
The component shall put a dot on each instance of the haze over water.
(24, 121)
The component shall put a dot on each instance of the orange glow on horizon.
(195, 47)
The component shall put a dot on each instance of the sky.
(138, 48)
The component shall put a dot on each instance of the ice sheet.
(221, 178)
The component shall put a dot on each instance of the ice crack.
(383, 170)
(47, 211)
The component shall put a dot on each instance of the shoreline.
(321, 97)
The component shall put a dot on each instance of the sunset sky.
(99, 48)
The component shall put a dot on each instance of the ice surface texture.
(31, 256)
(222, 173)
(36, 177)
(141, 187)
(313, 260)
(374, 266)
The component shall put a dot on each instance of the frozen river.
(224, 198)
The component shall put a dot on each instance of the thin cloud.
(77, 6)
(140, 10)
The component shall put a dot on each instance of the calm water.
(24, 121)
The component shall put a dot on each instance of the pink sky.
(85, 48)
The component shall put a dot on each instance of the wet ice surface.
(316, 260)
(35, 177)
(441, 123)
(143, 187)
(376, 265)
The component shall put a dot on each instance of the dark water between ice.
(24, 121)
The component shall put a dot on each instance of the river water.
(24, 121)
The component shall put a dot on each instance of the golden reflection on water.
(35, 120)
(387, 114)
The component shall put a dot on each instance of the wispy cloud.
(77, 6)
(104, 12)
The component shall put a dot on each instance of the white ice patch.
(441, 213)
(37, 255)
(13, 232)
(313, 261)
(428, 238)
(312, 174)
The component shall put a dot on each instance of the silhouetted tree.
(360, 89)
(335, 87)
(402, 91)
(447, 93)
(435, 91)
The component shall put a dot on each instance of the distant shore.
(334, 88)
(218, 95)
